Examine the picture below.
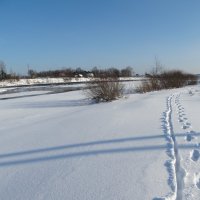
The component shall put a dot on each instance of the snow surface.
(35, 81)
(3, 90)
(63, 146)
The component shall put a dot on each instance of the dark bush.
(167, 80)
(105, 90)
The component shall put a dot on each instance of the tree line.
(68, 72)
(78, 72)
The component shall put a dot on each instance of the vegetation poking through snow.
(167, 80)
(105, 90)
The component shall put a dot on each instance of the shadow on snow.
(88, 152)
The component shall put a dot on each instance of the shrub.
(167, 80)
(105, 90)
(146, 86)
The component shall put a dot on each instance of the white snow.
(2, 90)
(35, 81)
(63, 146)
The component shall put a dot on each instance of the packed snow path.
(176, 172)
(179, 176)
(62, 146)
(190, 157)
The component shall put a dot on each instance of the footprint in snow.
(190, 93)
(189, 137)
(197, 180)
(188, 123)
(181, 115)
(195, 155)
(185, 126)
(180, 119)
(180, 112)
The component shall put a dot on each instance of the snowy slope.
(62, 146)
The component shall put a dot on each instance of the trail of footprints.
(190, 135)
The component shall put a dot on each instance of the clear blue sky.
(48, 34)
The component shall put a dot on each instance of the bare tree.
(158, 69)
(3, 73)
(127, 72)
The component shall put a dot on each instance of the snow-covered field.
(36, 81)
(63, 146)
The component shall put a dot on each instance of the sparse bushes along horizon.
(3, 74)
(105, 90)
(7, 76)
(67, 73)
(167, 80)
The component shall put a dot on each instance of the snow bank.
(35, 81)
